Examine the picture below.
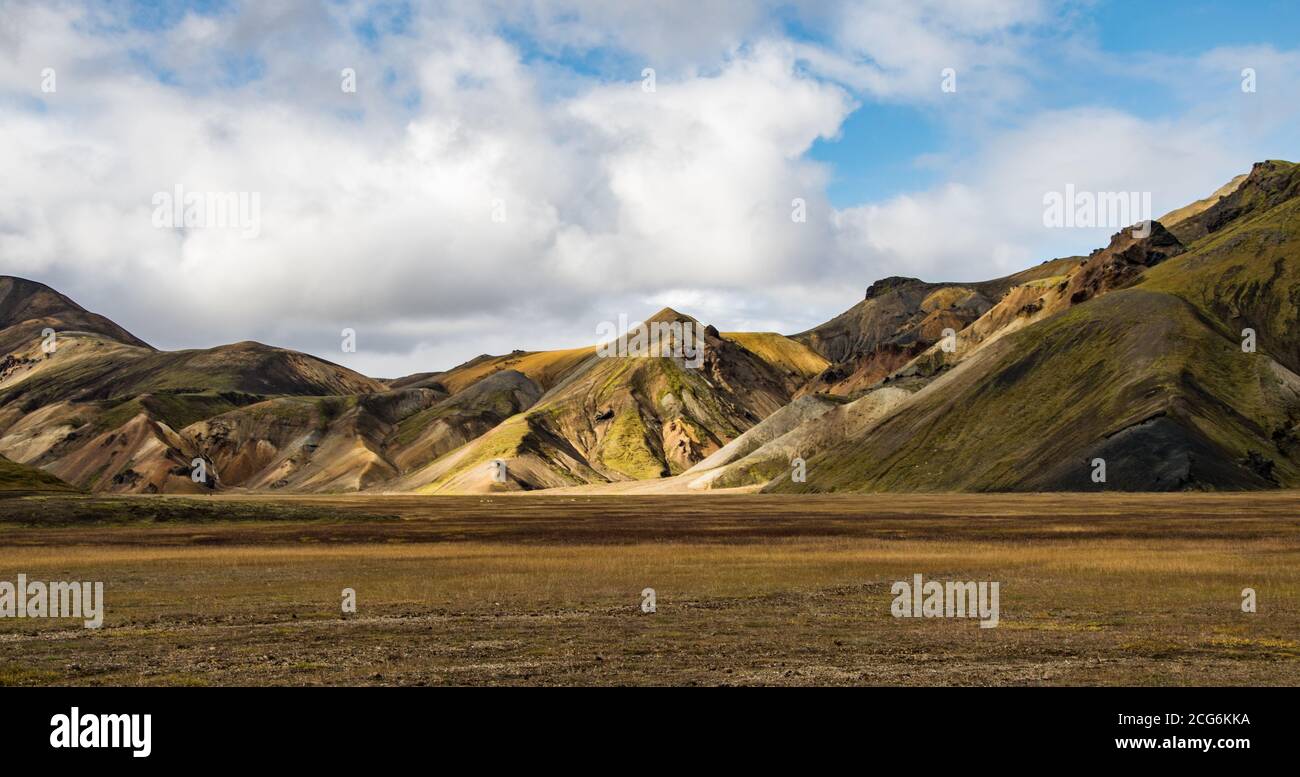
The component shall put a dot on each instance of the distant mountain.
(898, 319)
(28, 307)
(104, 410)
(1132, 355)
(622, 418)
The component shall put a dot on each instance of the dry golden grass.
(526, 591)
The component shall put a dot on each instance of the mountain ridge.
(1129, 355)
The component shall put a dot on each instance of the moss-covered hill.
(622, 418)
(1151, 377)
(19, 478)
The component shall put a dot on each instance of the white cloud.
(377, 206)
(895, 50)
(384, 222)
(989, 218)
(674, 36)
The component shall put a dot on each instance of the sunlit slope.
(422, 437)
(1248, 275)
(626, 418)
(798, 412)
(1122, 263)
(796, 359)
(545, 368)
(351, 443)
(1150, 376)
(1136, 378)
(1175, 217)
(818, 432)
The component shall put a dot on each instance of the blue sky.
(877, 151)
(376, 204)
(883, 147)
(1197, 25)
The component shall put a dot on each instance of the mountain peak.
(668, 315)
(889, 284)
(21, 299)
(32, 305)
(1271, 166)
(1268, 184)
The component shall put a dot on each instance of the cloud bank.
(503, 177)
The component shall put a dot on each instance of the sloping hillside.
(798, 412)
(1121, 263)
(1132, 354)
(20, 479)
(775, 457)
(249, 368)
(1145, 370)
(799, 362)
(1246, 271)
(28, 307)
(545, 368)
(1177, 216)
(625, 418)
(103, 410)
(899, 319)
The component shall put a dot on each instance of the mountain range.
(1170, 355)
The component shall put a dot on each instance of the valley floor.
(750, 589)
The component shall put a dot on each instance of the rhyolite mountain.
(898, 319)
(1132, 355)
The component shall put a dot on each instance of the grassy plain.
(751, 589)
